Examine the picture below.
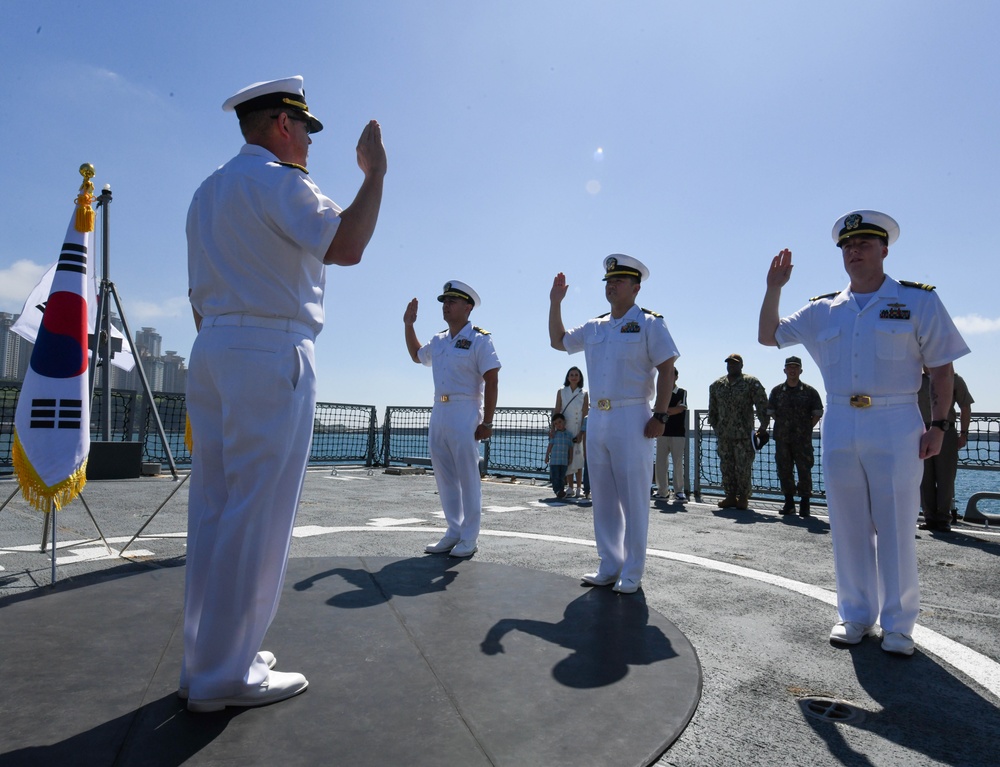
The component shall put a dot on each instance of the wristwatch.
(944, 424)
(661, 417)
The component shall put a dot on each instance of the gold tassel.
(36, 492)
(84, 213)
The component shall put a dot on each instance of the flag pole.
(53, 517)
(103, 326)
(52, 418)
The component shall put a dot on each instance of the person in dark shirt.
(672, 445)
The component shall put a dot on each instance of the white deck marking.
(978, 667)
(984, 670)
(391, 521)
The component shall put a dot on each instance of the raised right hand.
(559, 288)
(371, 152)
(410, 315)
(781, 269)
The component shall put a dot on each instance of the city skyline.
(165, 371)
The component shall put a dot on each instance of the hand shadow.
(606, 633)
(405, 577)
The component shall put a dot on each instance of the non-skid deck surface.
(422, 661)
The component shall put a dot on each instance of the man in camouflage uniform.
(731, 403)
(796, 408)
(937, 488)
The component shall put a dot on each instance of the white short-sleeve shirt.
(622, 354)
(257, 235)
(460, 362)
(877, 350)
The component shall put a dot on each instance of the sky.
(526, 138)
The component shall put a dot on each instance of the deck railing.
(350, 434)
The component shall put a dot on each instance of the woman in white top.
(573, 402)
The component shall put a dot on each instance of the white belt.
(454, 397)
(864, 400)
(253, 321)
(611, 404)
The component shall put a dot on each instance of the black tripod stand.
(103, 346)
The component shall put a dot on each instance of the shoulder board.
(652, 313)
(825, 295)
(480, 330)
(921, 285)
(295, 165)
(602, 316)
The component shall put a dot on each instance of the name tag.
(894, 312)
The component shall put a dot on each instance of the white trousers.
(455, 457)
(251, 399)
(872, 470)
(619, 458)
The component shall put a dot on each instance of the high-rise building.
(15, 352)
(174, 373)
(148, 340)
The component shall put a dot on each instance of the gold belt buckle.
(603, 404)
(861, 400)
(443, 398)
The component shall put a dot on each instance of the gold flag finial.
(85, 213)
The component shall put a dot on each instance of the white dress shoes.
(896, 643)
(596, 579)
(444, 545)
(279, 685)
(465, 548)
(850, 632)
(264, 655)
(627, 586)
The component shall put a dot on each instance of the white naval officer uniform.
(458, 364)
(257, 234)
(621, 355)
(871, 454)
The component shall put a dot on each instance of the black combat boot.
(804, 507)
(789, 507)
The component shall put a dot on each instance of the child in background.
(559, 454)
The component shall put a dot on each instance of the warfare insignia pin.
(463, 343)
(894, 312)
(630, 327)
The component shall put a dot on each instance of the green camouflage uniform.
(793, 410)
(731, 405)
(937, 488)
